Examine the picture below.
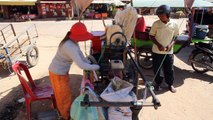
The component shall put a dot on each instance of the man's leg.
(157, 60)
(169, 71)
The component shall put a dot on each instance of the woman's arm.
(83, 58)
(73, 52)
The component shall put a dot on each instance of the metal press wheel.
(32, 56)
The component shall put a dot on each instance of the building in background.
(103, 8)
(1, 11)
(31, 9)
(18, 8)
(54, 8)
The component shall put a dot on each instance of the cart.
(13, 47)
(143, 46)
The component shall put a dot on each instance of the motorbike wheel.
(145, 58)
(200, 58)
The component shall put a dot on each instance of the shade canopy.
(209, 0)
(171, 3)
(18, 2)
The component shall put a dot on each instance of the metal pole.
(202, 17)
(13, 29)
(148, 85)
(36, 30)
(3, 36)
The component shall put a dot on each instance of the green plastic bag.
(82, 113)
(87, 113)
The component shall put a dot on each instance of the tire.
(144, 58)
(32, 56)
(200, 57)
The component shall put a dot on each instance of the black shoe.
(157, 88)
(172, 89)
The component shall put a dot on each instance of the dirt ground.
(193, 100)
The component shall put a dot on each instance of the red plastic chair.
(30, 90)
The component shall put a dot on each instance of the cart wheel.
(144, 57)
(201, 58)
(32, 56)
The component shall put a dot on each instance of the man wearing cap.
(162, 34)
(67, 53)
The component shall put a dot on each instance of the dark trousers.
(167, 68)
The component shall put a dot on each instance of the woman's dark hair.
(65, 38)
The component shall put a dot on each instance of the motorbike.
(202, 57)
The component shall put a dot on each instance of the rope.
(92, 18)
(85, 48)
(102, 53)
(85, 43)
(159, 67)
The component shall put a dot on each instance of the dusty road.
(193, 100)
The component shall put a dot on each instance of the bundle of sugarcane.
(127, 19)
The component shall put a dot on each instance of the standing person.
(67, 53)
(162, 34)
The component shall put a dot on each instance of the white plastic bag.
(121, 95)
(115, 113)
